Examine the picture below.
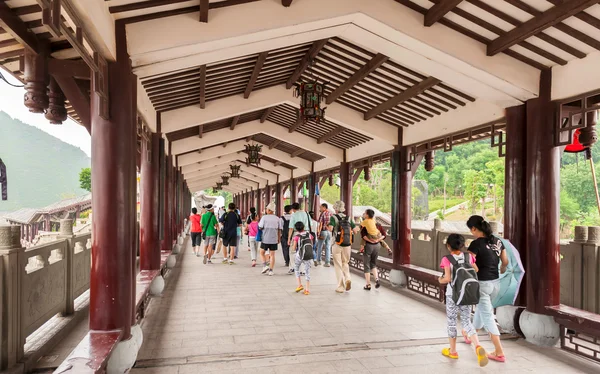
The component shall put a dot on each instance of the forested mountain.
(41, 169)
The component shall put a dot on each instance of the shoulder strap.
(467, 258)
(452, 260)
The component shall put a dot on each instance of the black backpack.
(305, 247)
(344, 236)
(465, 285)
(286, 228)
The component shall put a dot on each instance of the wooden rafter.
(69, 68)
(275, 144)
(204, 11)
(407, 94)
(359, 75)
(331, 134)
(260, 61)
(202, 86)
(11, 23)
(234, 122)
(266, 114)
(296, 125)
(546, 19)
(312, 53)
(286, 3)
(142, 5)
(439, 10)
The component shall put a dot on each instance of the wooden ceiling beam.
(407, 94)
(297, 152)
(546, 19)
(204, 11)
(266, 114)
(439, 10)
(79, 100)
(275, 144)
(69, 68)
(234, 122)
(202, 86)
(331, 134)
(260, 61)
(312, 53)
(359, 75)
(142, 5)
(296, 125)
(11, 23)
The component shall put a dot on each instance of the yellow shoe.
(446, 352)
(306, 292)
(482, 358)
(299, 289)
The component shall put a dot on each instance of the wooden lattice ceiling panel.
(288, 148)
(541, 33)
(338, 62)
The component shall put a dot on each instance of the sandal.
(367, 287)
(446, 352)
(482, 358)
(377, 283)
(494, 357)
(467, 340)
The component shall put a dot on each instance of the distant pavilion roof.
(27, 216)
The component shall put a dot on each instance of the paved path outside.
(231, 319)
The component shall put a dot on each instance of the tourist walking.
(297, 216)
(196, 231)
(285, 225)
(302, 246)
(457, 259)
(231, 221)
(371, 250)
(247, 222)
(252, 230)
(341, 230)
(324, 236)
(210, 225)
(238, 231)
(489, 253)
(271, 227)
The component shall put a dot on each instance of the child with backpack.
(462, 292)
(302, 243)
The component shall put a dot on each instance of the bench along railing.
(41, 282)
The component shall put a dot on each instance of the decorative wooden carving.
(3, 180)
(51, 17)
(429, 161)
(56, 113)
(36, 80)
(100, 83)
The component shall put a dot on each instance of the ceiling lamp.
(235, 171)
(218, 187)
(253, 151)
(225, 180)
(311, 94)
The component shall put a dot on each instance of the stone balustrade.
(39, 282)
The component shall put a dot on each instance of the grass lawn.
(437, 202)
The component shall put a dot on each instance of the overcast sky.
(11, 102)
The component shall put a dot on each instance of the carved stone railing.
(42, 281)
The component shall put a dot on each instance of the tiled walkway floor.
(231, 319)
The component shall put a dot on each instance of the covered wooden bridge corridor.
(186, 93)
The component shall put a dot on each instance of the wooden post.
(294, 191)
(278, 200)
(346, 186)
(401, 204)
(149, 242)
(259, 208)
(542, 211)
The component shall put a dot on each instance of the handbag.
(259, 235)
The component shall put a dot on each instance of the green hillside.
(41, 169)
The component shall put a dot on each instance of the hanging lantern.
(310, 94)
(429, 161)
(582, 139)
(253, 151)
(235, 171)
(330, 180)
(225, 178)
(218, 187)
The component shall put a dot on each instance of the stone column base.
(171, 261)
(508, 319)
(180, 240)
(123, 357)
(157, 286)
(176, 248)
(398, 278)
(539, 329)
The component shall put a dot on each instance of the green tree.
(85, 179)
(475, 188)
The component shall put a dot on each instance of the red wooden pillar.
(268, 196)
(259, 208)
(346, 186)
(113, 201)
(278, 199)
(149, 235)
(542, 185)
(401, 204)
(167, 243)
(313, 204)
(293, 191)
(515, 193)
